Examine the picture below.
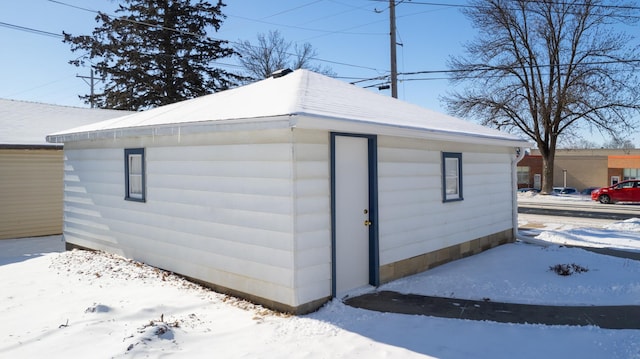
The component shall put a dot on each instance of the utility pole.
(392, 33)
(91, 84)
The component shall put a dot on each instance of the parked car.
(561, 191)
(625, 191)
(587, 191)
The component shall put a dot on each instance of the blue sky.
(350, 36)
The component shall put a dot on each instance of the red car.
(626, 191)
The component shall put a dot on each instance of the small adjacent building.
(31, 169)
(291, 190)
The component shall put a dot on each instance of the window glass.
(630, 173)
(451, 166)
(135, 176)
(626, 184)
(523, 174)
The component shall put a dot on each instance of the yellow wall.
(582, 171)
(30, 192)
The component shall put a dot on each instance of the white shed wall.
(412, 217)
(312, 205)
(251, 211)
(219, 207)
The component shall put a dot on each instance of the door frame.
(374, 255)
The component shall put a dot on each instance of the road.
(580, 209)
(540, 213)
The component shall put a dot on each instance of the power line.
(480, 69)
(302, 28)
(618, 15)
(292, 9)
(563, 3)
(199, 35)
(31, 30)
(51, 34)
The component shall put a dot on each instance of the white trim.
(305, 121)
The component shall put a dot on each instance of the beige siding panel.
(586, 171)
(413, 219)
(30, 192)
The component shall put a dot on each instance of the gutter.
(343, 124)
(9, 146)
(300, 119)
(520, 152)
(171, 129)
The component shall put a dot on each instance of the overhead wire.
(292, 9)
(200, 35)
(497, 68)
(31, 30)
(563, 3)
(356, 80)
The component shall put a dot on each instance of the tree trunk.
(548, 159)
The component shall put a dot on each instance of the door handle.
(367, 223)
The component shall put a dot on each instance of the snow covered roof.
(28, 123)
(302, 99)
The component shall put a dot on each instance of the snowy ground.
(57, 304)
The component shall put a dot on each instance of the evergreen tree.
(155, 52)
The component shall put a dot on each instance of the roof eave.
(367, 127)
(298, 120)
(174, 129)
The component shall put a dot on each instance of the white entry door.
(351, 213)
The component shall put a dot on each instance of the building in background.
(31, 169)
(583, 168)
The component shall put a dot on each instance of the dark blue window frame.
(447, 197)
(129, 196)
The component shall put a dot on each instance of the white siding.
(251, 211)
(313, 215)
(219, 207)
(413, 219)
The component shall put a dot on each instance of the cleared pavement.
(579, 207)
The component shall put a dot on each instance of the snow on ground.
(80, 304)
(621, 235)
(586, 232)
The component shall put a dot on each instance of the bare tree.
(546, 68)
(273, 53)
(578, 143)
(621, 144)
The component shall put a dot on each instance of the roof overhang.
(11, 146)
(365, 127)
(297, 120)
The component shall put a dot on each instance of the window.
(451, 176)
(523, 175)
(134, 174)
(630, 173)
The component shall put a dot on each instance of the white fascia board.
(176, 129)
(363, 127)
(299, 120)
